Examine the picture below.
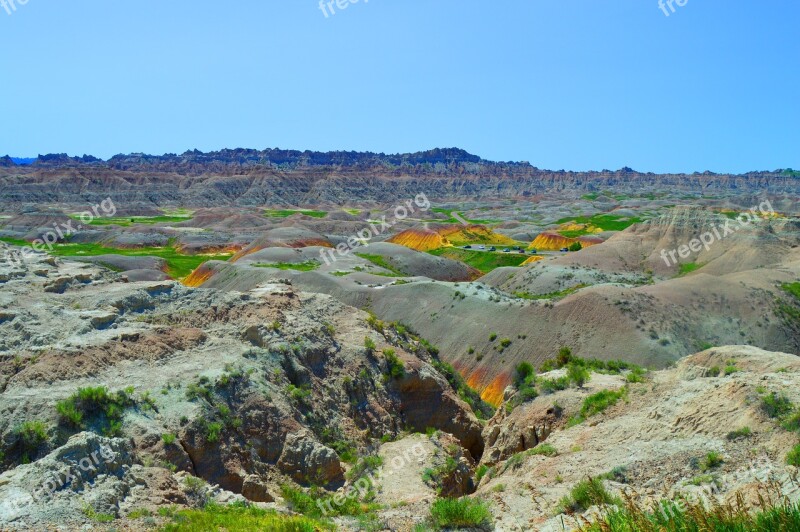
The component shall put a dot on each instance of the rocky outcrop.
(526, 427)
(89, 475)
(308, 461)
(427, 401)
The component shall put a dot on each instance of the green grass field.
(792, 288)
(15, 242)
(285, 213)
(238, 518)
(133, 220)
(179, 265)
(688, 268)
(606, 222)
(380, 261)
(481, 260)
(452, 219)
(298, 266)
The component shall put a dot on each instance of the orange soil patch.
(198, 277)
(210, 250)
(493, 394)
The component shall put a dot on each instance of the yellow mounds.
(580, 227)
(531, 260)
(451, 235)
(419, 239)
(548, 241)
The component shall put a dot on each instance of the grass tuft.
(460, 513)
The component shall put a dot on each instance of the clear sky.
(573, 84)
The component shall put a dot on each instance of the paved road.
(458, 217)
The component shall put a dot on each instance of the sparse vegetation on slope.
(299, 266)
(599, 403)
(584, 495)
(381, 262)
(285, 213)
(689, 516)
(96, 409)
(240, 518)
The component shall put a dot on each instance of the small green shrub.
(522, 374)
(711, 461)
(775, 405)
(299, 394)
(743, 432)
(435, 476)
(577, 374)
(213, 431)
(492, 337)
(544, 449)
(700, 480)
(730, 369)
(369, 344)
(198, 391)
(599, 402)
(792, 423)
(586, 494)
(168, 439)
(96, 408)
(793, 458)
(635, 375)
(92, 514)
(32, 434)
(548, 386)
(396, 369)
(480, 472)
(460, 513)
(618, 474)
(564, 357)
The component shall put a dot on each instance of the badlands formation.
(306, 341)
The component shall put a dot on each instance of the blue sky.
(573, 84)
